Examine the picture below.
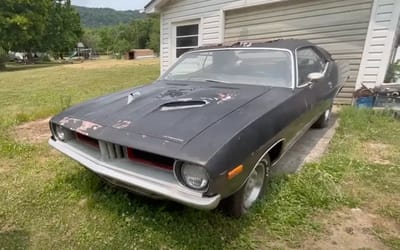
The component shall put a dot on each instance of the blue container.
(365, 102)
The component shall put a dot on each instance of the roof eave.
(154, 6)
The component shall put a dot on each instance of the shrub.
(393, 72)
(44, 58)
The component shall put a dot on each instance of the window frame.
(319, 53)
(175, 37)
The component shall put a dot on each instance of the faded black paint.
(236, 126)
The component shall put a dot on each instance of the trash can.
(365, 102)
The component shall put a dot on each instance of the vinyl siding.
(339, 26)
(346, 28)
(207, 12)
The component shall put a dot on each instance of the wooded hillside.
(101, 17)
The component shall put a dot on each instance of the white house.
(363, 32)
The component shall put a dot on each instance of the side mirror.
(312, 77)
(315, 76)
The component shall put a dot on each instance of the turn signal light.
(237, 170)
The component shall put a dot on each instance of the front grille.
(150, 159)
(87, 140)
(111, 151)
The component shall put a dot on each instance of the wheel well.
(275, 152)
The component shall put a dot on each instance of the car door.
(310, 60)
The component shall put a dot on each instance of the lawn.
(50, 202)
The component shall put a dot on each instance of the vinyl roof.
(290, 44)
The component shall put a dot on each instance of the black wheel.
(240, 202)
(323, 120)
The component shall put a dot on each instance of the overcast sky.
(114, 4)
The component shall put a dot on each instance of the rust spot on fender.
(78, 125)
(122, 124)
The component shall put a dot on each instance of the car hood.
(166, 110)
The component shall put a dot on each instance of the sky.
(114, 4)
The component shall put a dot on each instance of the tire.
(323, 120)
(252, 191)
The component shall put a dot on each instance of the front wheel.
(254, 188)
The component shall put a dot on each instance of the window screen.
(187, 38)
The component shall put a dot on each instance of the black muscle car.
(209, 130)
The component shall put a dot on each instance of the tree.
(3, 59)
(40, 25)
(138, 34)
(107, 36)
(23, 24)
(92, 39)
(102, 17)
(154, 37)
(64, 29)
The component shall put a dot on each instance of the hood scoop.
(183, 104)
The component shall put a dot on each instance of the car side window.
(309, 61)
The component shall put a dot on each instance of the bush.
(393, 72)
(44, 58)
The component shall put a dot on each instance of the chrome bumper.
(135, 175)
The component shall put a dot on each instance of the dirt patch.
(7, 228)
(376, 152)
(352, 229)
(33, 132)
(109, 63)
(5, 167)
(336, 109)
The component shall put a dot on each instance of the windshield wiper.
(216, 81)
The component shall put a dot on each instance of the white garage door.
(339, 26)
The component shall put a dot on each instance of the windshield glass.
(268, 67)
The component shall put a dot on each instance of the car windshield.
(267, 67)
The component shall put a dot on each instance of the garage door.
(338, 26)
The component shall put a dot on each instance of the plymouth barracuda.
(208, 131)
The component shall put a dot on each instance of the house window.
(187, 38)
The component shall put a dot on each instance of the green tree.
(23, 24)
(92, 39)
(3, 59)
(138, 34)
(154, 37)
(101, 17)
(64, 29)
(121, 47)
(107, 37)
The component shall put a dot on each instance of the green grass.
(36, 93)
(50, 202)
(11, 67)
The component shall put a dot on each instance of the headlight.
(194, 176)
(60, 132)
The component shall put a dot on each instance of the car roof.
(289, 44)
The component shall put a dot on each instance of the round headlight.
(60, 132)
(194, 176)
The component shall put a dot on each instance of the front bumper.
(135, 176)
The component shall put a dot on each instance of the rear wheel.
(323, 120)
(240, 202)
